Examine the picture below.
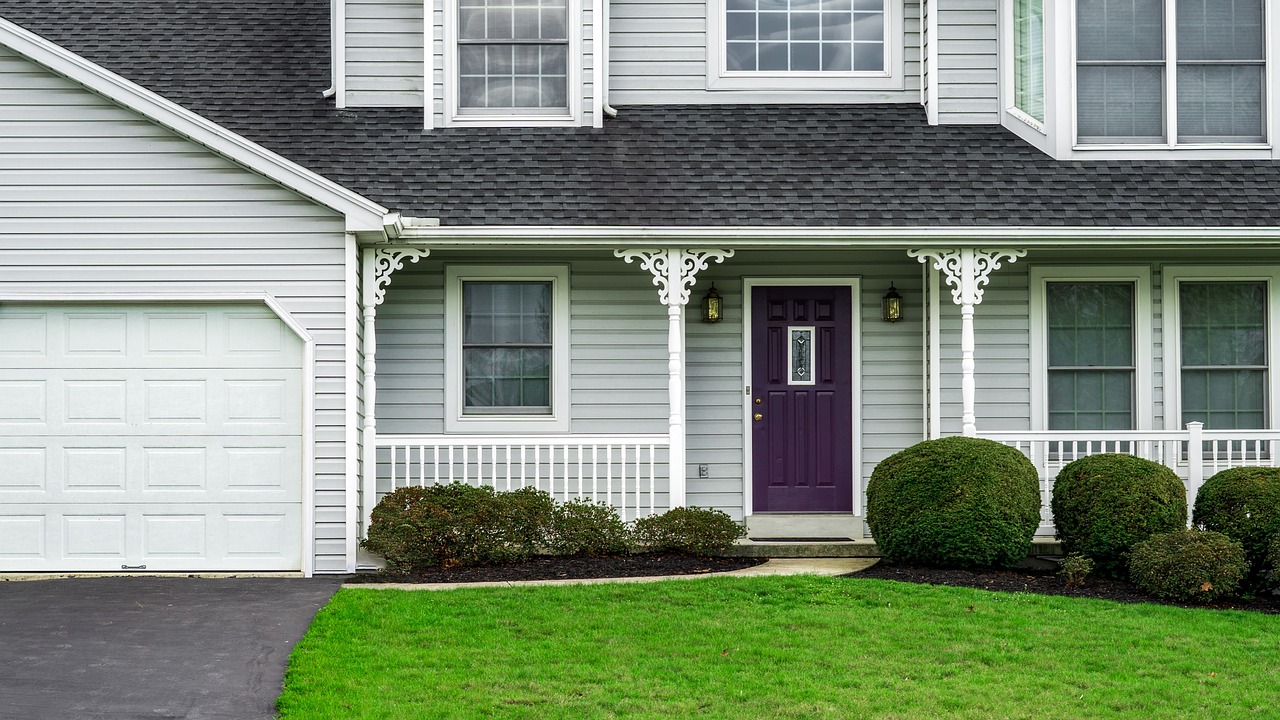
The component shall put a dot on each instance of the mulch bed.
(1047, 583)
(569, 568)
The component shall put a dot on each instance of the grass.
(790, 647)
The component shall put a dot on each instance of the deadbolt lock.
(758, 401)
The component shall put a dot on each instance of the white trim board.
(1143, 379)
(1174, 274)
(362, 214)
(855, 300)
(308, 376)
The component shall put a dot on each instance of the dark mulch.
(570, 568)
(1045, 582)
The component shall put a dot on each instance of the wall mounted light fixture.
(712, 306)
(891, 305)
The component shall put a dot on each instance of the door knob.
(758, 416)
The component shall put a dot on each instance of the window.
(1223, 343)
(1136, 82)
(790, 45)
(507, 339)
(1091, 355)
(1028, 58)
(1091, 341)
(512, 58)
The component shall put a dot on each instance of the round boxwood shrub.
(1105, 504)
(457, 524)
(581, 527)
(1243, 504)
(693, 530)
(1188, 565)
(954, 502)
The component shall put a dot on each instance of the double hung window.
(1091, 358)
(1170, 71)
(507, 348)
(1223, 343)
(805, 35)
(512, 58)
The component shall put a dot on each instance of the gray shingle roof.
(258, 67)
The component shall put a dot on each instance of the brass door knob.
(758, 416)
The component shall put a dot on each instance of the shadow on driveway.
(150, 647)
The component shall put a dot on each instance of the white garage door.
(167, 436)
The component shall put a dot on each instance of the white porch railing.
(625, 471)
(1051, 450)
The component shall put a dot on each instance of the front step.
(825, 526)
(1040, 547)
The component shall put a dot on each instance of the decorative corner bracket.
(385, 262)
(967, 269)
(674, 270)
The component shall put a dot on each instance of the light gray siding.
(384, 61)
(658, 55)
(968, 72)
(95, 199)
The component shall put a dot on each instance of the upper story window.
(1170, 72)
(1028, 58)
(788, 45)
(511, 60)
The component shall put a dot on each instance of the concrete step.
(849, 549)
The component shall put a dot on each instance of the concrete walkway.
(118, 648)
(780, 566)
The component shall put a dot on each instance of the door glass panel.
(800, 355)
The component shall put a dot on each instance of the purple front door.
(801, 399)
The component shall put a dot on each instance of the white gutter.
(413, 229)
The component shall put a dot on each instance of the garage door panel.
(166, 436)
(171, 537)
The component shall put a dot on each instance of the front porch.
(653, 408)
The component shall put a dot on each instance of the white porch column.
(674, 272)
(967, 270)
(378, 263)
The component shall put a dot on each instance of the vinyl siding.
(968, 72)
(384, 60)
(94, 199)
(658, 55)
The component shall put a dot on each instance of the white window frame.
(456, 420)
(718, 78)
(1140, 276)
(1173, 275)
(1008, 44)
(1171, 92)
(452, 118)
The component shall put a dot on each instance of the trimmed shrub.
(582, 527)
(1074, 568)
(692, 530)
(1273, 562)
(954, 502)
(1105, 504)
(1188, 565)
(456, 524)
(1243, 504)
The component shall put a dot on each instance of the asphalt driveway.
(150, 647)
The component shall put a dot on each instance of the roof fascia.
(362, 215)
(818, 237)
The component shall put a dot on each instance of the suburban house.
(261, 262)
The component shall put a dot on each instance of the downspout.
(602, 60)
(338, 52)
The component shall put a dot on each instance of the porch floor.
(852, 548)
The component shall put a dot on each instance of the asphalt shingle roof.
(258, 67)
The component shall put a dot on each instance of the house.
(262, 262)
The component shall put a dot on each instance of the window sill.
(802, 82)
(1026, 119)
(515, 121)
(507, 424)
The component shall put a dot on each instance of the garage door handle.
(133, 567)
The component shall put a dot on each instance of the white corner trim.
(455, 419)
(361, 213)
(1143, 349)
(338, 62)
(1171, 333)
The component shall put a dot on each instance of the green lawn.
(790, 647)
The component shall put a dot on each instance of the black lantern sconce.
(712, 306)
(891, 305)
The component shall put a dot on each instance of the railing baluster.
(579, 471)
(653, 478)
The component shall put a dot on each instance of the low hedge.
(1273, 563)
(581, 527)
(1188, 565)
(954, 502)
(1243, 504)
(1105, 504)
(693, 530)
